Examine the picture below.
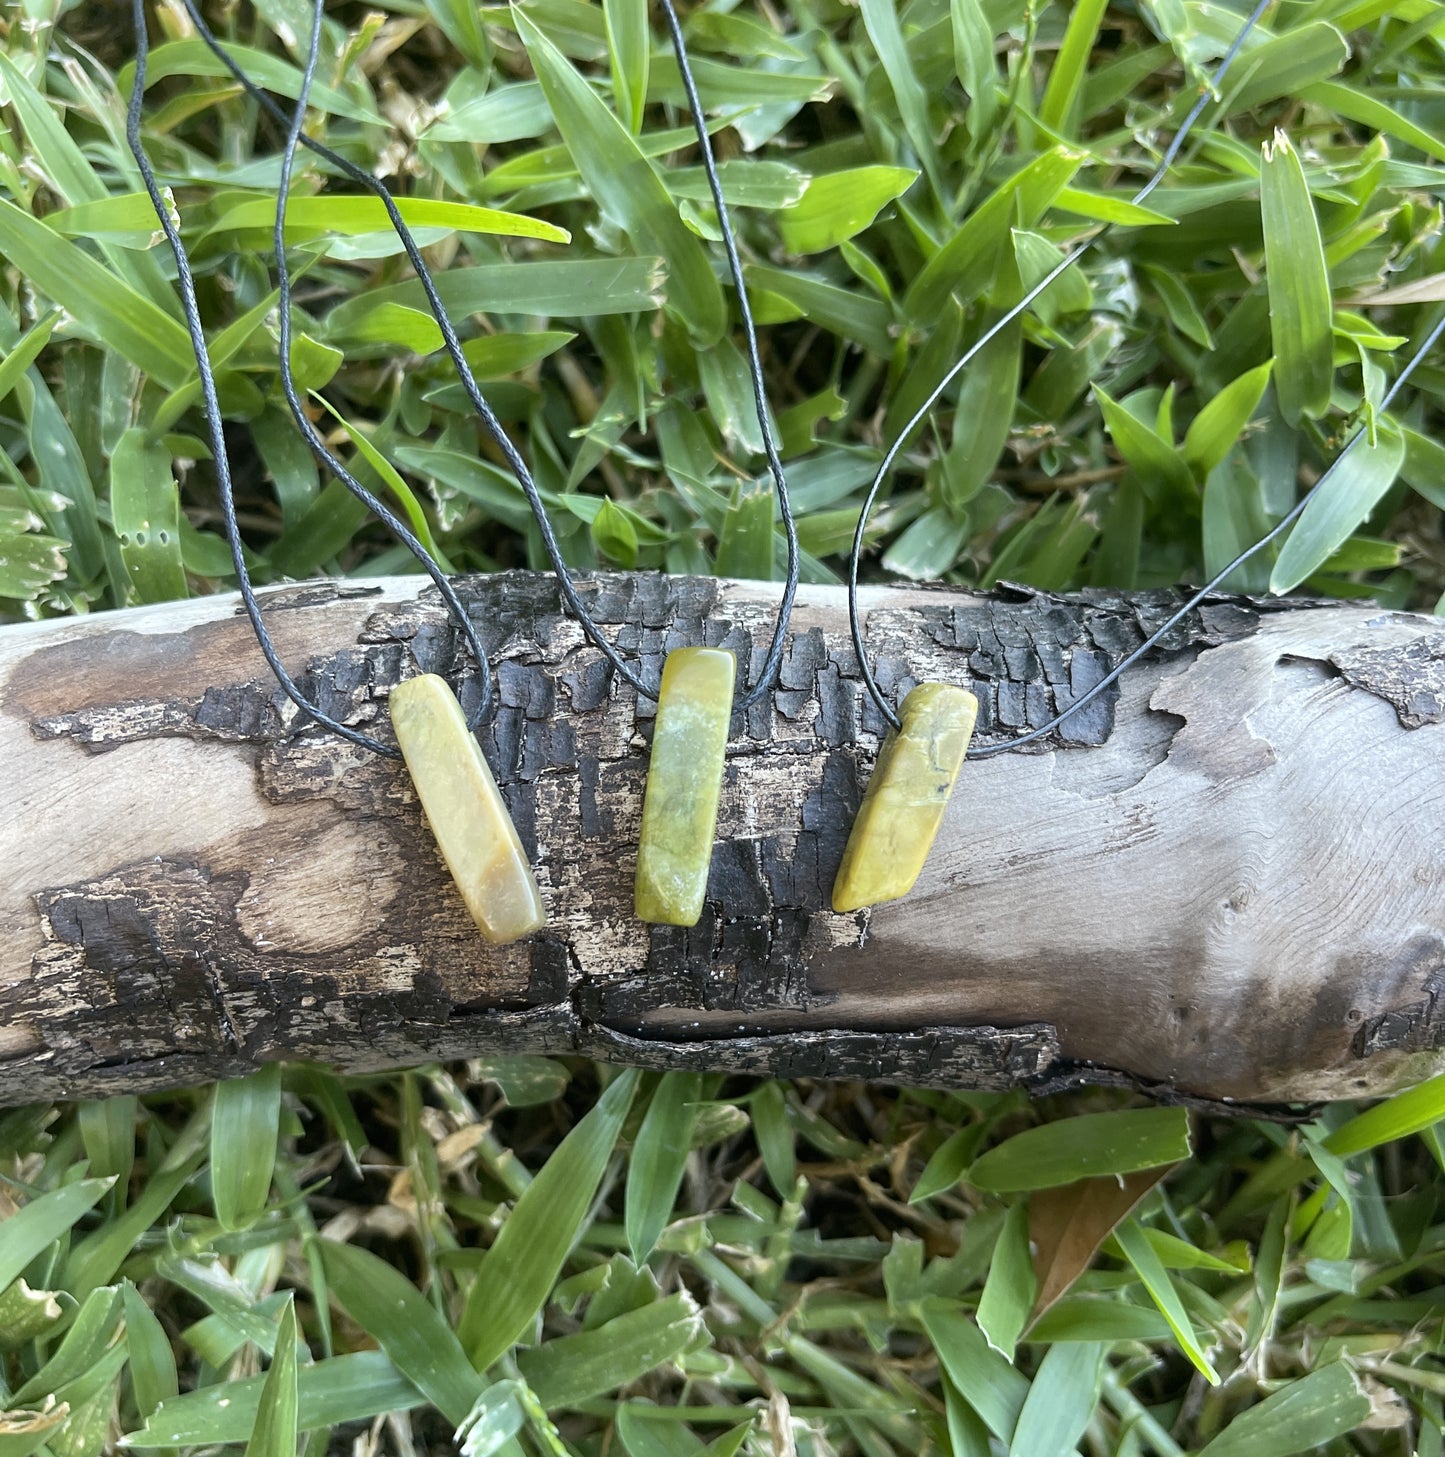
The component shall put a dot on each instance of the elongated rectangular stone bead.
(904, 803)
(466, 810)
(684, 780)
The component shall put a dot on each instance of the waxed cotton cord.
(755, 367)
(298, 410)
(989, 335)
(488, 417)
(215, 429)
(1191, 603)
(525, 480)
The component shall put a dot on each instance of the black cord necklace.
(928, 740)
(885, 466)
(695, 696)
(216, 431)
(464, 806)
(484, 411)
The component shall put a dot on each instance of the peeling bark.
(1218, 882)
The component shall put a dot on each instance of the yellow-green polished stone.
(684, 780)
(903, 806)
(466, 810)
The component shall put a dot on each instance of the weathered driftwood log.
(1224, 880)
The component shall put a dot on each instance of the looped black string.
(989, 335)
(309, 432)
(755, 367)
(1183, 611)
(483, 410)
(216, 430)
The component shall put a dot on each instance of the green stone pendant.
(684, 781)
(903, 806)
(466, 810)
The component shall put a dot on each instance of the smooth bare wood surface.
(1224, 880)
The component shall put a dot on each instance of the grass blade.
(626, 187)
(405, 496)
(1214, 430)
(37, 1225)
(26, 1315)
(643, 1437)
(153, 1375)
(62, 469)
(773, 1130)
(1409, 1112)
(659, 1156)
(851, 315)
(987, 396)
(745, 544)
(723, 373)
(1085, 1147)
(55, 149)
(496, 1418)
(191, 58)
(1162, 475)
(564, 288)
(974, 63)
(629, 49)
(880, 17)
(1008, 1289)
(570, 1370)
(966, 264)
(1060, 1402)
(405, 1324)
(343, 1389)
(983, 1378)
(461, 22)
(1369, 111)
(87, 1342)
(1066, 76)
(1140, 1254)
(364, 213)
(27, 351)
(1300, 308)
(948, 1163)
(103, 305)
(1288, 64)
(275, 1432)
(27, 1432)
(145, 508)
(839, 205)
(524, 1262)
(613, 533)
(1299, 1417)
(245, 1122)
(96, 1258)
(107, 1129)
(1339, 506)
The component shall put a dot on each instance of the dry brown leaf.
(1427, 290)
(27, 1423)
(1067, 1226)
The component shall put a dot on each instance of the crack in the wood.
(1067, 1076)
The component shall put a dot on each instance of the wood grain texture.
(1224, 881)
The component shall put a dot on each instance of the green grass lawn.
(564, 1258)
